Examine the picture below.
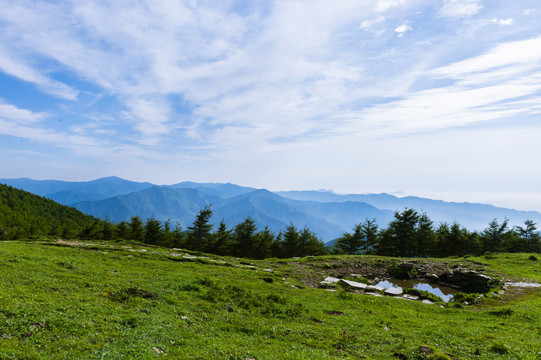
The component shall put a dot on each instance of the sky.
(432, 98)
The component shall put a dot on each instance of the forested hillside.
(25, 215)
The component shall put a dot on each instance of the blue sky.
(436, 98)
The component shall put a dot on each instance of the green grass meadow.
(124, 301)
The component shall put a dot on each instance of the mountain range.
(326, 213)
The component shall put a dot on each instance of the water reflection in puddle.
(444, 292)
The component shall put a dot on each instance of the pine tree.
(137, 231)
(245, 238)
(530, 241)
(290, 241)
(199, 232)
(265, 240)
(221, 240)
(153, 231)
(369, 229)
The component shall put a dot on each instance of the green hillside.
(62, 299)
(25, 215)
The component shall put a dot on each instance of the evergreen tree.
(529, 238)
(425, 237)
(400, 237)
(221, 243)
(277, 248)
(178, 237)
(167, 237)
(244, 238)
(265, 241)
(290, 241)
(369, 230)
(137, 231)
(153, 231)
(348, 243)
(310, 244)
(199, 232)
(108, 230)
(122, 230)
(91, 231)
(495, 236)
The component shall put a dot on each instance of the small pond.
(444, 292)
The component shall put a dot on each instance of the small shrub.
(234, 297)
(344, 295)
(125, 294)
(189, 287)
(206, 282)
(495, 284)
(331, 266)
(399, 271)
(499, 348)
(423, 295)
(439, 356)
(67, 265)
(502, 312)
(462, 298)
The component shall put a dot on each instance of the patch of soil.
(311, 273)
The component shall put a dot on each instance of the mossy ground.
(114, 301)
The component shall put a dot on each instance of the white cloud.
(14, 114)
(460, 8)
(384, 5)
(17, 68)
(506, 54)
(508, 21)
(402, 29)
(26, 124)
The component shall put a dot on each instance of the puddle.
(444, 292)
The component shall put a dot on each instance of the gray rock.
(373, 288)
(410, 297)
(329, 282)
(522, 284)
(427, 302)
(393, 291)
(353, 284)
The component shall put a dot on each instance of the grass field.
(123, 301)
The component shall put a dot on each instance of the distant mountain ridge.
(71, 192)
(324, 212)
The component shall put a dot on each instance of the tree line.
(243, 240)
(411, 233)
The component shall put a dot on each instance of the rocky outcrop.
(354, 285)
(469, 280)
(393, 291)
(329, 282)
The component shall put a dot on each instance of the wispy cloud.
(402, 29)
(506, 22)
(16, 67)
(21, 116)
(461, 8)
(228, 82)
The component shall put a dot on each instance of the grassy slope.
(74, 302)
